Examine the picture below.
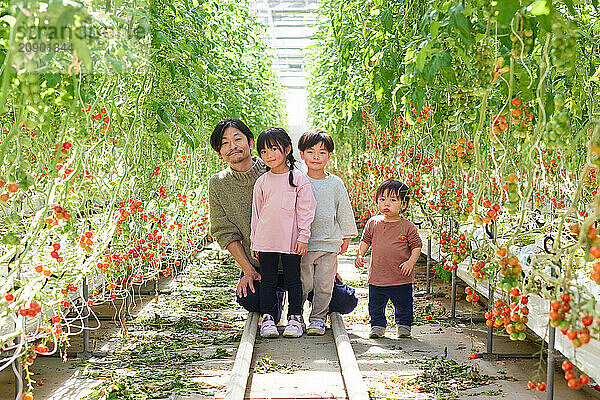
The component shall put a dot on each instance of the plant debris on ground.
(173, 337)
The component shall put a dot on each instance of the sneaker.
(293, 328)
(316, 327)
(404, 331)
(377, 332)
(268, 328)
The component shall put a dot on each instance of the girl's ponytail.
(291, 161)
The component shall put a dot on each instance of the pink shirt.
(391, 244)
(281, 213)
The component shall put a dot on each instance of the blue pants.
(343, 298)
(401, 297)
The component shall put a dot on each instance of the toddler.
(395, 247)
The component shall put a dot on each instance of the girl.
(283, 207)
(396, 246)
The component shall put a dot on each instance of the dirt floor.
(183, 347)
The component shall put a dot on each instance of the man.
(230, 200)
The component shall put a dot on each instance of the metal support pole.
(550, 370)
(428, 290)
(18, 370)
(453, 299)
(551, 355)
(490, 329)
(86, 320)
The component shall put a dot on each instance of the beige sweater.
(230, 200)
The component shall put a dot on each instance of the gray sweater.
(334, 219)
(230, 200)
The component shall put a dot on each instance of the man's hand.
(359, 261)
(338, 277)
(247, 282)
(301, 248)
(344, 247)
(407, 267)
(254, 254)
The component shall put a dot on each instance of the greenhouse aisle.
(289, 31)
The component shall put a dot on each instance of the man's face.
(235, 148)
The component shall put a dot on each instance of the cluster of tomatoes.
(559, 318)
(492, 213)
(54, 253)
(462, 152)
(10, 188)
(478, 273)
(455, 247)
(510, 268)
(182, 198)
(59, 213)
(453, 200)
(134, 206)
(161, 192)
(513, 196)
(471, 295)
(101, 116)
(155, 171)
(425, 113)
(512, 316)
(521, 119)
(573, 380)
(85, 241)
(31, 311)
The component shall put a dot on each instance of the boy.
(331, 230)
(396, 246)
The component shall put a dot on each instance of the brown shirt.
(391, 244)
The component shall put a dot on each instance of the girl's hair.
(217, 135)
(277, 137)
(313, 137)
(392, 186)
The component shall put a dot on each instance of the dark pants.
(401, 297)
(343, 298)
(269, 267)
(252, 300)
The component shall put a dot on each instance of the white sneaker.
(293, 328)
(316, 327)
(268, 328)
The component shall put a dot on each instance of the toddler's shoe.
(377, 332)
(268, 328)
(404, 331)
(293, 328)
(316, 327)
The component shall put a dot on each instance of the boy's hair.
(313, 137)
(392, 186)
(217, 136)
(277, 137)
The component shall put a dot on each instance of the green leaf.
(506, 10)
(11, 239)
(188, 137)
(540, 7)
(387, 19)
(461, 25)
(418, 98)
(434, 28)
(569, 4)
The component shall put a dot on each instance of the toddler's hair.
(217, 136)
(392, 186)
(277, 137)
(313, 137)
